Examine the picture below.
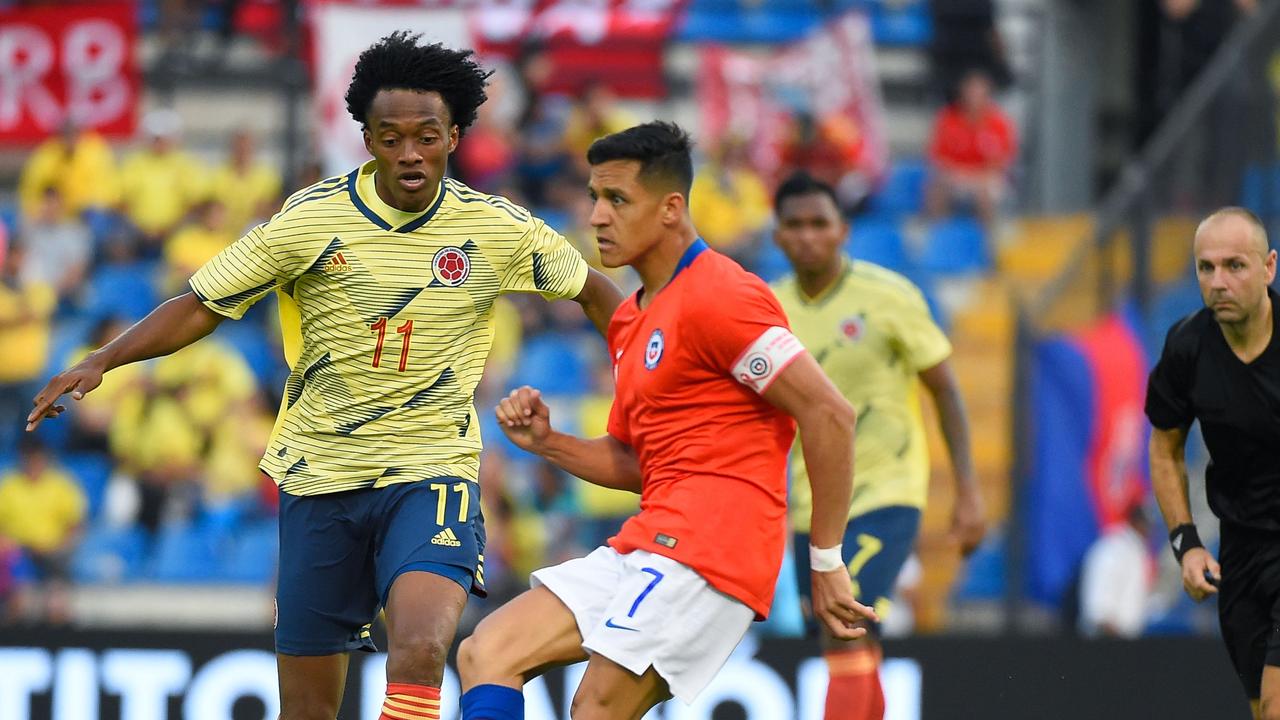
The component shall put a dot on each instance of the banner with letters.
(67, 60)
(60, 674)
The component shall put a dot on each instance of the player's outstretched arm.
(826, 422)
(1169, 481)
(603, 461)
(599, 298)
(172, 326)
(968, 516)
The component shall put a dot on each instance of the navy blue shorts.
(876, 546)
(340, 553)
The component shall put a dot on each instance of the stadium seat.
(10, 217)
(769, 263)
(925, 282)
(92, 471)
(185, 552)
(983, 576)
(123, 290)
(551, 363)
(903, 190)
(877, 239)
(907, 24)
(108, 555)
(262, 357)
(1260, 190)
(252, 555)
(957, 246)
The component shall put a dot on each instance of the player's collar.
(353, 189)
(691, 253)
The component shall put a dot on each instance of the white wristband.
(826, 559)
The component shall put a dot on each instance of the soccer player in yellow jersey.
(389, 275)
(871, 331)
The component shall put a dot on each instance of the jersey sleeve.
(1168, 403)
(744, 332)
(922, 343)
(545, 263)
(244, 272)
(618, 427)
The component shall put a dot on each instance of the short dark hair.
(799, 184)
(398, 62)
(663, 150)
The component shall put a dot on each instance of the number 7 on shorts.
(657, 578)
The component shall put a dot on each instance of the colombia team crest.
(653, 350)
(451, 266)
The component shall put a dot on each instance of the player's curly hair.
(398, 62)
(663, 149)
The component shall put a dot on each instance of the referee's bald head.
(1232, 220)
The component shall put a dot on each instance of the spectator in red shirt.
(973, 144)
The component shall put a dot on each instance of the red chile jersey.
(690, 370)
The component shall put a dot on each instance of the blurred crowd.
(153, 476)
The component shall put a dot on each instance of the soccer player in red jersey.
(711, 385)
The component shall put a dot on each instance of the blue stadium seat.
(899, 24)
(11, 218)
(108, 555)
(733, 21)
(877, 239)
(123, 290)
(551, 363)
(260, 354)
(1260, 190)
(956, 246)
(92, 471)
(253, 553)
(983, 576)
(102, 224)
(769, 262)
(185, 552)
(903, 190)
(925, 282)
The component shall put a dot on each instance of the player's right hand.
(835, 608)
(79, 380)
(1195, 564)
(525, 418)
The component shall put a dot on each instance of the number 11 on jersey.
(406, 330)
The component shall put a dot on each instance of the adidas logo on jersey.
(447, 538)
(337, 264)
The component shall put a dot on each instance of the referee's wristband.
(1184, 538)
(826, 559)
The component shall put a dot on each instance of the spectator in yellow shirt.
(195, 244)
(160, 183)
(25, 312)
(728, 201)
(78, 163)
(58, 246)
(595, 116)
(41, 510)
(249, 189)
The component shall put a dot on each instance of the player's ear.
(453, 138)
(368, 138)
(674, 208)
(1271, 267)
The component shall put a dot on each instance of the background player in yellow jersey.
(871, 331)
(388, 277)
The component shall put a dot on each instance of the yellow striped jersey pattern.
(388, 321)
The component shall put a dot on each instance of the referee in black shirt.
(1220, 366)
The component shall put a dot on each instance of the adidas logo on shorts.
(447, 538)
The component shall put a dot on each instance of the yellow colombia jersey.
(391, 316)
(872, 333)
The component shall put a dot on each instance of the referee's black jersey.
(1238, 406)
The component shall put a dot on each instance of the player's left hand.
(525, 418)
(834, 606)
(968, 522)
